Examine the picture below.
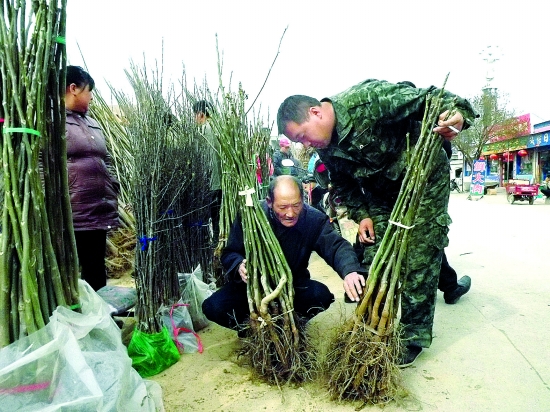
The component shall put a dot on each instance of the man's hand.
(366, 231)
(242, 271)
(353, 285)
(455, 122)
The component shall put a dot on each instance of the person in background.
(311, 163)
(203, 111)
(545, 187)
(282, 154)
(452, 288)
(301, 230)
(92, 188)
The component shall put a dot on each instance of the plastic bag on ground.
(46, 371)
(194, 291)
(119, 299)
(152, 353)
(178, 321)
(76, 362)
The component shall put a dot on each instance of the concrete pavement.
(491, 350)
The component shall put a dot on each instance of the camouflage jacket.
(367, 154)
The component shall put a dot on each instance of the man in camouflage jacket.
(361, 136)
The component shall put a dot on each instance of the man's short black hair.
(275, 182)
(295, 109)
(79, 76)
(202, 106)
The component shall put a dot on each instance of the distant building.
(521, 156)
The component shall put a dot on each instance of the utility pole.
(491, 54)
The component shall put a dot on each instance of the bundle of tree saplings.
(274, 345)
(362, 361)
(186, 177)
(193, 202)
(259, 147)
(151, 347)
(38, 261)
(168, 173)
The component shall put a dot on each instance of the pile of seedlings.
(38, 260)
(275, 344)
(169, 203)
(187, 176)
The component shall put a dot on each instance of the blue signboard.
(539, 139)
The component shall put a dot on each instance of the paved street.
(491, 350)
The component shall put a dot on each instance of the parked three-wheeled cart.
(521, 190)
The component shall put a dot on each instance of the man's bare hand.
(353, 285)
(242, 271)
(449, 128)
(366, 231)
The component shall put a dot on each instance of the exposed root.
(270, 350)
(363, 366)
(120, 257)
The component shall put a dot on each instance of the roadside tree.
(496, 122)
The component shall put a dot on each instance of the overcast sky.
(328, 46)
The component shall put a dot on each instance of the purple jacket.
(92, 188)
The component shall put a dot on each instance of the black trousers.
(228, 306)
(215, 205)
(447, 276)
(90, 246)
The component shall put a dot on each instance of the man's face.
(287, 204)
(200, 118)
(315, 131)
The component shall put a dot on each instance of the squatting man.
(300, 230)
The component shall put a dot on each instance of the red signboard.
(517, 126)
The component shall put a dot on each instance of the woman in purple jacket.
(92, 188)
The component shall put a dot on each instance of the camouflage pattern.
(426, 244)
(367, 160)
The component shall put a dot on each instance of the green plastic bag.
(152, 353)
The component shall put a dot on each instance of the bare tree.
(496, 122)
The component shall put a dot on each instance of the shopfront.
(508, 159)
(539, 145)
(524, 157)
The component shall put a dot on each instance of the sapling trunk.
(38, 269)
(275, 343)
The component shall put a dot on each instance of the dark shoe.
(463, 287)
(410, 353)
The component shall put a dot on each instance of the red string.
(27, 388)
(177, 331)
